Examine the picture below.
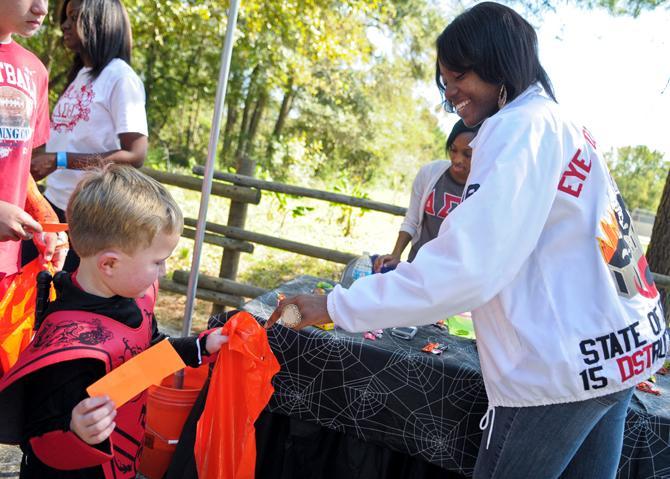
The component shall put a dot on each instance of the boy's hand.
(53, 248)
(93, 419)
(215, 340)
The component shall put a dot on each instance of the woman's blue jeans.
(578, 440)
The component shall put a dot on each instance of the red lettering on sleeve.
(588, 137)
(574, 176)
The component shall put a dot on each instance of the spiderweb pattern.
(390, 392)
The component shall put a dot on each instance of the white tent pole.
(222, 86)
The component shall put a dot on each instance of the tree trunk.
(246, 117)
(255, 121)
(52, 43)
(149, 73)
(658, 252)
(231, 119)
(232, 102)
(193, 121)
(284, 110)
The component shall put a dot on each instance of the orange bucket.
(167, 411)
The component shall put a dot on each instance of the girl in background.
(101, 116)
(436, 191)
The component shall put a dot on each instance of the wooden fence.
(245, 190)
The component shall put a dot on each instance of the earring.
(502, 97)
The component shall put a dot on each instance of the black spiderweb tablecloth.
(387, 397)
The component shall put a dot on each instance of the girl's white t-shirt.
(89, 117)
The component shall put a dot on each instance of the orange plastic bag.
(240, 387)
(17, 314)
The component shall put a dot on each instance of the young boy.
(24, 125)
(124, 225)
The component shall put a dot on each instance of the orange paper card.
(54, 227)
(138, 373)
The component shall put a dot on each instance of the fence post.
(237, 216)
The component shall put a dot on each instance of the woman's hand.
(388, 260)
(93, 419)
(16, 224)
(215, 340)
(312, 307)
(42, 165)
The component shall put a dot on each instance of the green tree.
(640, 173)
(616, 7)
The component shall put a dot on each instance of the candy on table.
(647, 387)
(322, 287)
(442, 324)
(439, 349)
(370, 336)
(434, 348)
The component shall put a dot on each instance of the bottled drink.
(357, 268)
(362, 267)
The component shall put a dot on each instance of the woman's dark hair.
(104, 32)
(497, 44)
(459, 128)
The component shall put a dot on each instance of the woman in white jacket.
(436, 191)
(541, 250)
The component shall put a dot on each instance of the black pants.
(29, 250)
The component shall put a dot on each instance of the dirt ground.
(169, 312)
(10, 460)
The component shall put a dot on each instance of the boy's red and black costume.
(83, 337)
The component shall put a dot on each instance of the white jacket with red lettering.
(543, 252)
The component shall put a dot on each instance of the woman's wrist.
(61, 160)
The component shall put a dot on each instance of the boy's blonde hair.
(119, 207)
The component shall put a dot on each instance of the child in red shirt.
(24, 125)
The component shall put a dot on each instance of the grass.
(298, 219)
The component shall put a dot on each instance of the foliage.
(615, 7)
(309, 94)
(345, 187)
(640, 174)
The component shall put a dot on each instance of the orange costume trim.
(37, 205)
(39, 208)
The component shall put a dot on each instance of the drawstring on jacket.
(484, 422)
